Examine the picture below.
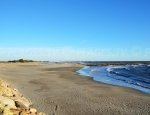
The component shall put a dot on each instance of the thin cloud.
(72, 54)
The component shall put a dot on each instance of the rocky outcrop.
(13, 103)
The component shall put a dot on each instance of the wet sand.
(57, 90)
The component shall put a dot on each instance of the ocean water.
(133, 76)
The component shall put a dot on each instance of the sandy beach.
(56, 89)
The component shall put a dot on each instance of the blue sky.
(81, 29)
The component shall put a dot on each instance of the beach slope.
(57, 89)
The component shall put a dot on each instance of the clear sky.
(81, 29)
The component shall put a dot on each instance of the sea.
(136, 76)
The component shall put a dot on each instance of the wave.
(134, 76)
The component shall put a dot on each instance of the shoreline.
(100, 82)
(81, 72)
(58, 89)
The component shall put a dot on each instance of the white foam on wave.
(127, 67)
(83, 72)
(112, 68)
(102, 74)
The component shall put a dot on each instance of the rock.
(20, 105)
(7, 111)
(23, 103)
(5, 90)
(32, 110)
(41, 113)
(15, 111)
(1, 108)
(7, 102)
(13, 103)
(23, 113)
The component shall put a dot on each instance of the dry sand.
(57, 90)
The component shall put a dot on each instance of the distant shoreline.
(21, 61)
(89, 63)
(106, 63)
